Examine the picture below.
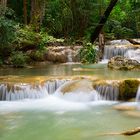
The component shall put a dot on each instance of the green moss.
(128, 89)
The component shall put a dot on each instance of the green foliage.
(38, 55)
(7, 32)
(26, 36)
(70, 18)
(88, 54)
(124, 19)
(19, 59)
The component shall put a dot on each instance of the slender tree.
(103, 20)
(37, 12)
(25, 11)
(3, 3)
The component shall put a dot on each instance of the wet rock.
(123, 63)
(63, 54)
(124, 108)
(135, 114)
(128, 89)
(78, 85)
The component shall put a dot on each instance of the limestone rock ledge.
(123, 63)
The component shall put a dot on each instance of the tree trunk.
(3, 3)
(133, 42)
(25, 11)
(37, 13)
(103, 20)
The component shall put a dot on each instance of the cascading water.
(79, 91)
(138, 95)
(133, 54)
(27, 91)
(108, 92)
(69, 56)
(111, 51)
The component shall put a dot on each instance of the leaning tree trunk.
(103, 20)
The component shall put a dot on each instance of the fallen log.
(133, 42)
(124, 133)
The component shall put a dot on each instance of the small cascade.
(108, 92)
(138, 95)
(69, 56)
(27, 91)
(21, 91)
(111, 51)
(52, 86)
(133, 54)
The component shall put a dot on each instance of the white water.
(138, 95)
(27, 91)
(69, 56)
(78, 91)
(111, 51)
(108, 92)
(133, 54)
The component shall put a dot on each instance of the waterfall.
(138, 95)
(52, 86)
(27, 91)
(69, 56)
(133, 54)
(108, 92)
(111, 51)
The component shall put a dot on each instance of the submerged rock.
(133, 113)
(124, 107)
(123, 63)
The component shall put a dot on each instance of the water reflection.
(100, 71)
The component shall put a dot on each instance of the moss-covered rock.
(128, 89)
(123, 63)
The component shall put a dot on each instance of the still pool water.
(53, 118)
(96, 70)
(63, 120)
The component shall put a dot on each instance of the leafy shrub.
(38, 55)
(18, 59)
(7, 35)
(88, 54)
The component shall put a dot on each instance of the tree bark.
(25, 11)
(103, 20)
(133, 42)
(37, 13)
(3, 3)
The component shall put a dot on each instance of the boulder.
(63, 54)
(123, 63)
(128, 89)
(78, 86)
